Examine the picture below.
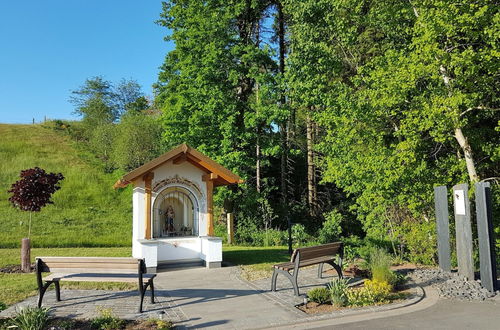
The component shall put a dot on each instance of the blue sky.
(48, 48)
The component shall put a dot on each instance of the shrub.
(421, 242)
(319, 295)
(379, 264)
(137, 141)
(2, 306)
(220, 230)
(274, 237)
(373, 292)
(399, 279)
(153, 323)
(338, 291)
(106, 320)
(31, 318)
(331, 230)
(379, 290)
(299, 234)
(360, 297)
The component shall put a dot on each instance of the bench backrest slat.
(89, 265)
(312, 252)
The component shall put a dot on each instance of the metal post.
(290, 250)
(463, 231)
(442, 227)
(487, 255)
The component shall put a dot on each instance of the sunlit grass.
(255, 262)
(87, 211)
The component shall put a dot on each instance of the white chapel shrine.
(173, 208)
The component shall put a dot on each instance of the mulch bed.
(15, 269)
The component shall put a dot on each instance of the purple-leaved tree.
(30, 193)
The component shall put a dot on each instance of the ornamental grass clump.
(319, 295)
(379, 265)
(338, 291)
(30, 318)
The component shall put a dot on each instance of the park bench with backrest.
(93, 269)
(308, 256)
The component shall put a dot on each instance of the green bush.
(421, 242)
(379, 265)
(137, 141)
(106, 321)
(373, 292)
(360, 297)
(274, 237)
(2, 306)
(299, 235)
(331, 230)
(338, 291)
(220, 230)
(31, 318)
(319, 295)
(158, 324)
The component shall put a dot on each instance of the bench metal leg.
(291, 277)
(331, 263)
(152, 292)
(58, 290)
(41, 292)
(320, 270)
(273, 280)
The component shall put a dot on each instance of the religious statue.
(169, 220)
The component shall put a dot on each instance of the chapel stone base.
(179, 252)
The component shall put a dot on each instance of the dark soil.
(15, 269)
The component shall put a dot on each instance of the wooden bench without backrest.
(92, 269)
(313, 255)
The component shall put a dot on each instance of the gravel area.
(451, 285)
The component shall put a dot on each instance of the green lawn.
(87, 211)
(256, 262)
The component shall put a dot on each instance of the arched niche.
(176, 212)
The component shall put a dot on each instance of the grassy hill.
(87, 211)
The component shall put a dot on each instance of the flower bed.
(383, 287)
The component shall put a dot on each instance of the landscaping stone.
(451, 285)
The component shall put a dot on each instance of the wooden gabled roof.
(221, 176)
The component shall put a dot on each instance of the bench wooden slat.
(303, 263)
(319, 251)
(308, 256)
(93, 270)
(108, 260)
(91, 265)
(90, 277)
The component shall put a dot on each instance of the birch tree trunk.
(459, 135)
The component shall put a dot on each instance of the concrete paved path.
(218, 298)
(212, 298)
